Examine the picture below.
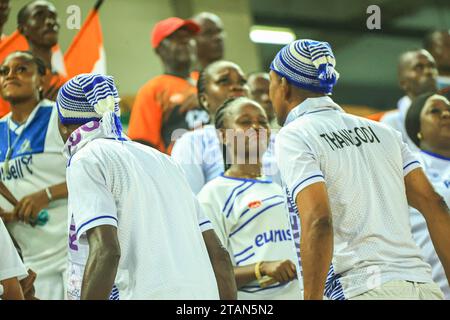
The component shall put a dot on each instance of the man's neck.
(249, 171)
(43, 53)
(181, 71)
(20, 111)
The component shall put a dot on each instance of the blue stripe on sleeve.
(205, 222)
(301, 182)
(94, 219)
(415, 161)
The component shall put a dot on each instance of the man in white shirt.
(146, 239)
(348, 178)
(417, 74)
(11, 268)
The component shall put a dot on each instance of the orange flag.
(86, 53)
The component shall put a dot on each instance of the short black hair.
(22, 16)
(42, 69)
(412, 119)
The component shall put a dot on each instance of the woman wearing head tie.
(428, 125)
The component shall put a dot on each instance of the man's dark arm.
(316, 243)
(222, 266)
(101, 267)
(422, 196)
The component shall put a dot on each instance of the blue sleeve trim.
(299, 184)
(204, 223)
(415, 161)
(94, 219)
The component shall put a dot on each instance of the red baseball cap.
(165, 28)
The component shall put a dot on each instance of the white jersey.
(363, 164)
(131, 186)
(396, 120)
(10, 264)
(251, 221)
(437, 169)
(199, 152)
(36, 163)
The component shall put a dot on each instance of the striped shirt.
(250, 219)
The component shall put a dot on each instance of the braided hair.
(219, 123)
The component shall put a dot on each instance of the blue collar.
(435, 155)
(264, 180)
(312, 105)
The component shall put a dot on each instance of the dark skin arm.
(316, 243)
(102, 263)
(29, 206)
(221, 263)
(281, 271)
(421, 195)
(12, 289)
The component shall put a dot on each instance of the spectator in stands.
(350, 179)
(428, 125)
(438, 44)
(259, 83)
(247, 209)
(210, 40)
(199, 152)
(5, 8)
(417, 74)
(33, 168)
(168, 102)
(135, 221)
(38, 23)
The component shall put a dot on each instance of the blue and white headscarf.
(92, 101)
(307, 64)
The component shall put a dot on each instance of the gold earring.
(419, 136)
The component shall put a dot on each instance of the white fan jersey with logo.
(36, 163)
(250, 218)
(363, 164)
(145, 195)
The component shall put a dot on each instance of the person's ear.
(22, 29)
(286, 88)
(204, 101)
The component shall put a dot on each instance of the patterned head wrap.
(307, 64)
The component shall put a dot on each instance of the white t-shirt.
(250, 219)
(396, 120)
(363, 164)
(145, 195)
(36, 163)
(199, 152)
(437, 169)
(10, 264)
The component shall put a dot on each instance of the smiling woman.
(428, 125)
(32, 167)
